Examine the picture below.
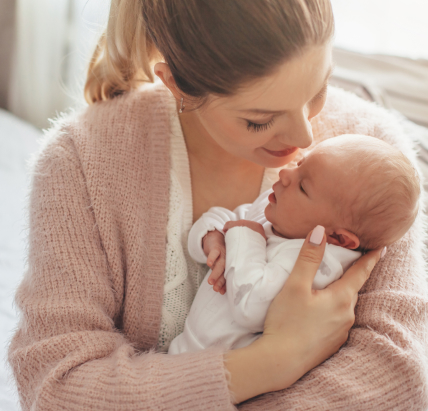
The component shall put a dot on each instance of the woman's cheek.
(238, 136)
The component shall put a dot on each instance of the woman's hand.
(303, 326)
(214, 247)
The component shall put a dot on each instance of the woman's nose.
(299, 131)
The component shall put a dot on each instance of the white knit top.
(183, 275)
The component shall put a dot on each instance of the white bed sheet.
(18, 140)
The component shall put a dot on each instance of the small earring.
(182, 106)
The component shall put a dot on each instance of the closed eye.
(254, 127)
(321, 94)
(302, 189)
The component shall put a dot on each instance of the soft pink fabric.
(91, 300)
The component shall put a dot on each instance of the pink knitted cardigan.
(91, 300)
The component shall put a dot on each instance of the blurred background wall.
(7, 20)
(381, 47)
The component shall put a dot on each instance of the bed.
(18, 140)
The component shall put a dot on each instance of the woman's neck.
(218, 177)
(202, 146)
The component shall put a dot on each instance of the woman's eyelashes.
(254, 127)
(321, 94)
(302, 189)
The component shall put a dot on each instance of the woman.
(118, 186)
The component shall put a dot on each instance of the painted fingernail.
(317, 235)
(382, 254)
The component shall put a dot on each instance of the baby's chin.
(275, 229)
(278, 232)
(286, 233)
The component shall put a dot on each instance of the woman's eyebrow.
(262, 111)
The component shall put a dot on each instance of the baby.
(362, 190)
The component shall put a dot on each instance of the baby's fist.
(215, 250)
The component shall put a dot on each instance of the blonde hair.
(211, 47)
(387, 205)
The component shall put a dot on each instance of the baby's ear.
(343, 238)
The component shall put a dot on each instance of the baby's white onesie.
(255, 272)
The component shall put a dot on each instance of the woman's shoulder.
(136, 106)
(118, 131)
(120, 148)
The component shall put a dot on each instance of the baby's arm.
(257, 227)
(252, 282)
(206, 241)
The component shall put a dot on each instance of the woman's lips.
(272, 198)
(281, 153)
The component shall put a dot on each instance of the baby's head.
(362, 190)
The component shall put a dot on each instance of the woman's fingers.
(310, 257)
(358, 274)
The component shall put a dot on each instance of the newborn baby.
(362, 190)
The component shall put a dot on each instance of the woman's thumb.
(310, 256)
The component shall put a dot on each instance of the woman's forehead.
(294, 84)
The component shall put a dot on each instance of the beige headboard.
(7, 20)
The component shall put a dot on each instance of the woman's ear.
(163, 71)
(343, 238)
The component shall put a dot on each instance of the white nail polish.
(317, 235)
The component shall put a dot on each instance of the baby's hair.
(211, 46)
(384, 210)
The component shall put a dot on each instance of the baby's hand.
(258, 228)
(214, 247)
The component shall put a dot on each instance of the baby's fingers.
(220, 284)
(217, 271)
(212, 257)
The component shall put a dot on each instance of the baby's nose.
(284, 176)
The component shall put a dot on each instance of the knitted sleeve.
(68, 352)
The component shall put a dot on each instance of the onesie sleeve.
(214, 219)
(252, 282)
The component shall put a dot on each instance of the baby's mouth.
(272, 198)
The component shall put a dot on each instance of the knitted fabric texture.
(91, 301)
